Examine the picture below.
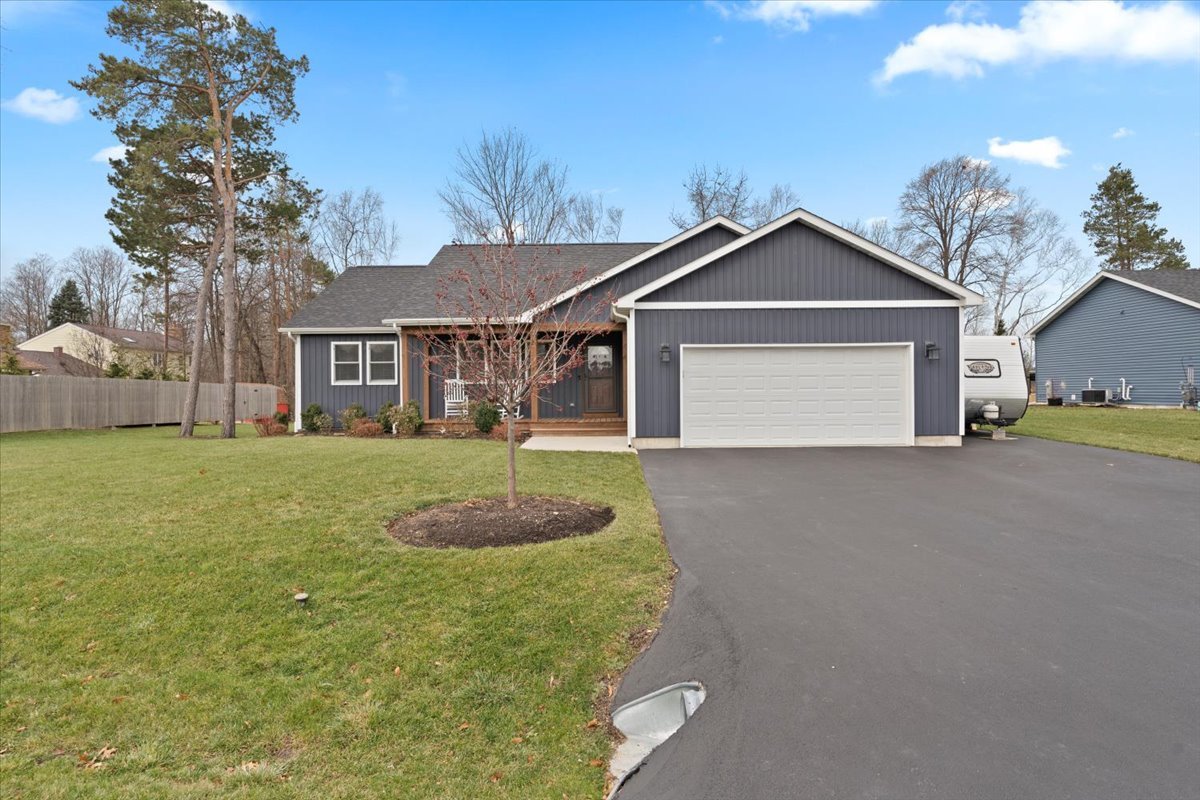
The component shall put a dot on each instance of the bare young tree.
(509, 341)
(951, 212)
(503, 193)
(104, 278)
(719, 191)
(1030, 268)
(590, 221)
(351, 230)
(26, 294)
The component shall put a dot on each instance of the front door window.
(600, 371)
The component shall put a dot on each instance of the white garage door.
(789, 396)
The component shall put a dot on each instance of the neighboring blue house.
(1142, 327)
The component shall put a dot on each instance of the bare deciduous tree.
(510, 342)
(104, 278)
(719, 191)
(351, 230)
(590, 221)
(503, 193)
(1030, 267)
(26, 294)
(880, 231)
(951, 212)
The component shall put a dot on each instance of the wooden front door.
(600, 371)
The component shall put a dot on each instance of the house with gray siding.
(1134, 333)
(798, 333)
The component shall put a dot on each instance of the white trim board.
(1091, 284)
(965, 295)
(335, 331)
(707, 305)
(910, 393)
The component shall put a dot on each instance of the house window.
(347, 363)
(381, 363)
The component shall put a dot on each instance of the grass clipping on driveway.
(1171, 432)
(151, 646)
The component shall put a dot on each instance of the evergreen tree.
(68, 306)
(1122, 226)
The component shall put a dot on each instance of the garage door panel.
(795, 396)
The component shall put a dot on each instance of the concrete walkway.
(581, 444)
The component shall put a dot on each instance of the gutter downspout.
(631, 359)
(296, 380)
(401, 361)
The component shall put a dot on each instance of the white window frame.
(395, 365)
(333, 364)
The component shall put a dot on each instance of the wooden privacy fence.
(56, 402)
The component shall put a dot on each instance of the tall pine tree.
(1122, 225)
(68, 306)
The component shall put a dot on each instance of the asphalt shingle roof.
(57, 364)
(362, 297)
(1183, 283)
(135, 339)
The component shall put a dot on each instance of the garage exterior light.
(664, 354)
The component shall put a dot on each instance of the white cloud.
(966, 9)
(977, 162)
(872, 221)
(789, 15)
(1051, 31)
(718, 39)
(226, 7)
(1046, 152)
(44, 104)
(1122, 133)
(112, 153)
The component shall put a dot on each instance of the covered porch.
(589, 400)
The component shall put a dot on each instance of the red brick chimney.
(58, 352)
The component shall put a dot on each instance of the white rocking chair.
(456, 398)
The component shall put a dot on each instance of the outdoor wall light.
(932, 351)
(664, 354)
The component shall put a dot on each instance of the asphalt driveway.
(1005, 620)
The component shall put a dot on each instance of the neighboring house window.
(347, 363)
(381, 363)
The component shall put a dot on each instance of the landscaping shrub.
(323, 423)
(352, 414)
(384, 415)
(486, 416)
(366, 428)
(283, 418)
(308, 419)
(407, 418)
(269, 426)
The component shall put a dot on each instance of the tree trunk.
(166, 324)
(199, 324)
(229, 291)
(512, 457)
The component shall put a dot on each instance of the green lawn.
(1169, 432)
(146, 605)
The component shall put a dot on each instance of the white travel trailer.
(994, 374)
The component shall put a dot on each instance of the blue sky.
(843, 101)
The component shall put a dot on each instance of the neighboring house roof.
(1181, 285)
(41, 363)
(135, 339)
(811, 220)
(363, 297)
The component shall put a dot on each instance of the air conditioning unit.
(1095, 395)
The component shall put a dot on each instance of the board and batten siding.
(1119, 331)
(936, 387)
(796, 263)
(654, 268)
(316, 383)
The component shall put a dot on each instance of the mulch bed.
(491, 523)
